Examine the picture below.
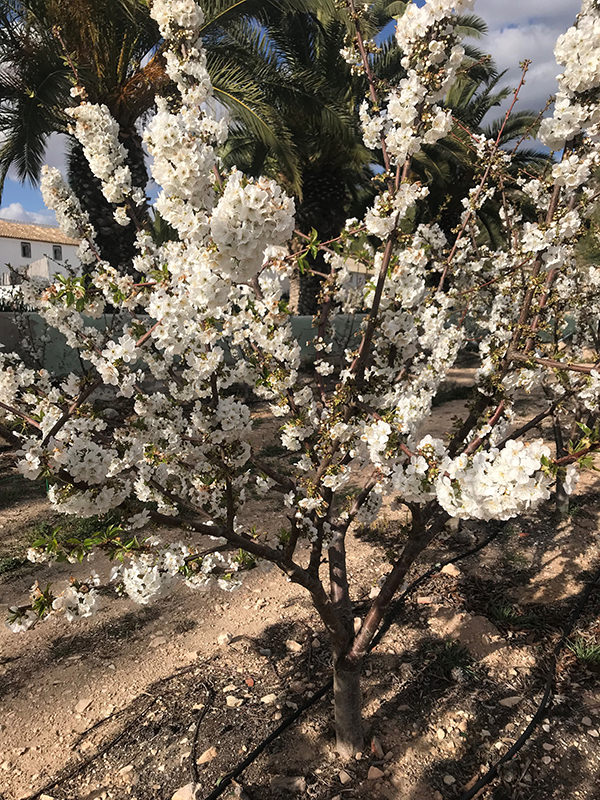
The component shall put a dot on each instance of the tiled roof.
(33, 233)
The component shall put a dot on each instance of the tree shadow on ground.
(409, 693)
(99, 641)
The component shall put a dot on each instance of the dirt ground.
(124, 704)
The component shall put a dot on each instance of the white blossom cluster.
(171, 15)
(98, 134)
(248, 214)
(387, 211)
(497, 484)
(412, 115)
(576, 110)
(206, 327)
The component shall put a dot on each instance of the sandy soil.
(446, 692)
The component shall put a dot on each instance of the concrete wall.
(20, 331)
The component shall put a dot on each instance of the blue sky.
(518, 29)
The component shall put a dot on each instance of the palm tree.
(113, 48)
(448, 167)
(305, 78)
(46, 46)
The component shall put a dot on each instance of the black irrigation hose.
(394, 609)
(69, 774)
(546, 697)
(225, 780)
(74, 771)
(387, 622)
(210, 696)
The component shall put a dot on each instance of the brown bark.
(347, 707)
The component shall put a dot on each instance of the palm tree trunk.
(115, 242)
(322, 208)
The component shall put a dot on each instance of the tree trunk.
(323, 208)
(115, 242)
(347, 707)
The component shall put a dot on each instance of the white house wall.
(10, 253)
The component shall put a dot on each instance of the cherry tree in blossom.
(204, 318)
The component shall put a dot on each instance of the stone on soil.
(86, 702)
(510, 702)
(234, 702)
(374, 774)
(344, 777)
(187, 792)
(292, 783)
(207, 755)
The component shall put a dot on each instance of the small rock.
(264, 651)
(357, 624)
(485, 733)
(46, 797)
(127, 774)
(587, 722)
(207, 755)
(594, 732)
(268, 699)
(547, 746)
(187, 792)
(440, 733)
(231, 687)
(376, 748)
(344, 777)
(224, 639)
(451, 569)
(293, 646)
(87, 701)
(374, 592)
(374, 774)
(297, 687)
(449, 780)
(289, 783)
(425, 601)
(233, 702)
(546, 760)
(510, 702)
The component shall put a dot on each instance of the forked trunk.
(347, 707)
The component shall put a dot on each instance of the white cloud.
(526, 29)
(503, 13)
(16, 213)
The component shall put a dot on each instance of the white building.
(44, 247)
